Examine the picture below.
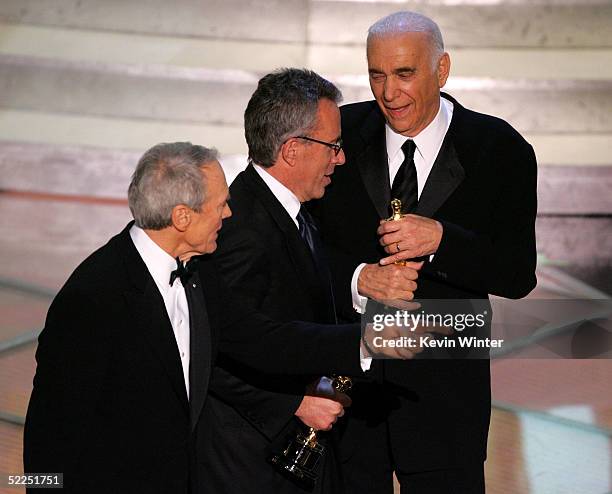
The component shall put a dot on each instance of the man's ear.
(289, 151)
(444, 65)
(181, 217)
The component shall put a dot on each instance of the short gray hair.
(409, 22)
(284, 105)
(168, 174)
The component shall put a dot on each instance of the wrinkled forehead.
(214, 177)
(400, 41)
(212, 170)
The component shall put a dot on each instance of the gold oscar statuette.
(396, 208)
(301, 459)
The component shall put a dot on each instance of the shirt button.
(182, 354)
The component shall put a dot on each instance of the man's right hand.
(389, 283)
(398, 342)
(322, 405)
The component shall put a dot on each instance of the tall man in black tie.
(125, 358)
(469, 182)
(271, 255)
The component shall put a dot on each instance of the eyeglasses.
(336, 146)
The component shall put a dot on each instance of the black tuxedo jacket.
(109, 407)
(269, 268)
(482, 188)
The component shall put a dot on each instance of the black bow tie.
(182, 271)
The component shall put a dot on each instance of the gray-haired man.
(125, 358)
(468, 181)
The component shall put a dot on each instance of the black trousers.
(369, 470)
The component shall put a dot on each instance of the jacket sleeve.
(267, 411)
(295, 348)
(72, 358)
(244, 263)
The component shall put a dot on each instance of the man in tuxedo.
(292, 127)
(125, 358)
(468, 182)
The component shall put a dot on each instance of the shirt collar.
(287, 198)
(159, 263)
(428, 141)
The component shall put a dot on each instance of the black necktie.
(310, 234)
(182, 271)
(405, 185)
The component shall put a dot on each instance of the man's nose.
(389, 89)
(340, 158)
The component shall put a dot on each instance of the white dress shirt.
(160, 264)
(287, 198)
(428, 143)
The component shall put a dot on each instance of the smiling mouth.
(398, 112)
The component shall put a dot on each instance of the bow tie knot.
(182, 271)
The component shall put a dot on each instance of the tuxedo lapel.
(150, 317)
(446, 174)
(200, 361)
(297, 248)
(373, 164)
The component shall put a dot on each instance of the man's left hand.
(409, 238)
